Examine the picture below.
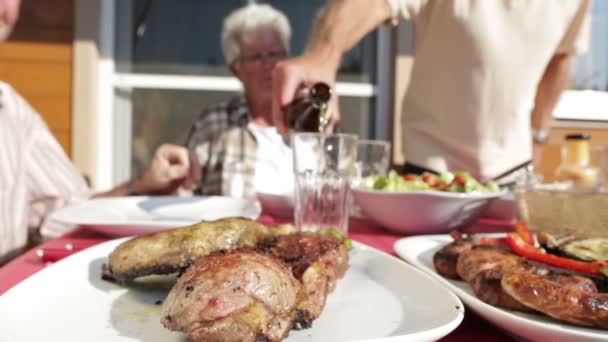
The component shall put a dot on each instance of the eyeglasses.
(263, 57)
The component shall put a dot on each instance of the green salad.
(458, 181)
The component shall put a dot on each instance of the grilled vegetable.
(595, 249)
(520, 247)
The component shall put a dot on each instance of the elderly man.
(37, 177)
(237, 145)
(486, 77)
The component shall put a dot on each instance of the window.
(168, 66)
(588, 97)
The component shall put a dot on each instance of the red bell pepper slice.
(520, 247)
(522, 230)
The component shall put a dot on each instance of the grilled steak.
(317, 261)
(234, 296)
(257, 295)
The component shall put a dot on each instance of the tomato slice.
(429, 179)
(460, 180)
(409, 177)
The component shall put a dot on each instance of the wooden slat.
(34, 79)
(36, 51)
(54, 109)
(65, 139)
(37, 62)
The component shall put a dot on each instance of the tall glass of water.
(324, 166)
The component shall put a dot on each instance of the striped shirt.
(226, 149)
(36, 176)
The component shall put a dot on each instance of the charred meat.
(316, 260)
(234, 296)
(174, 250)
(566, 303)
(248, 295)
(446, 258)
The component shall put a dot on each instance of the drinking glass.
(372, 159)
(324, 166)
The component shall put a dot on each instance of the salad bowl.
(411, 209)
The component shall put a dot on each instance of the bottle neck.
(576, 152)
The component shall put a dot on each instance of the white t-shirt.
(477, 67)
(274, 161)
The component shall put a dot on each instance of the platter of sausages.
(521, 289)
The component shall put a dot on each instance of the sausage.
(446, 258)
(567, 303)
(481, 258)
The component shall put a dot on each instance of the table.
(473, 327)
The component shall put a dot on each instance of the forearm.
(554, 81)
(133, 186)
(121, 190)
(342, 23)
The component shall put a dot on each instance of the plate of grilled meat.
(530, 297)
(232, 279)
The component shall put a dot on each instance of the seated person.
(37, 177)
(235, 141)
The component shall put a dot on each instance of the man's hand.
(173, 166)
(339, 26)
(291, 75)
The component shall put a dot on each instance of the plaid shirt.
(226, 149)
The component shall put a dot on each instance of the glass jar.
(575, 167)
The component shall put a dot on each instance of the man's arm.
(173, 166)
(554, 81)
(340, 25)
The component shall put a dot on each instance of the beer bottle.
(309, 112)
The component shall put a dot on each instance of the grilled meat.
(487, 286)
(246, 295)
(318, 262)
(503, 279)
(446, 258)
(480, 258)
(566, 303)
(483, 267)
(234, 296)
(174, 250)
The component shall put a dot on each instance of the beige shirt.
(477, 67)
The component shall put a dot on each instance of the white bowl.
(280, 205)
(422, 212)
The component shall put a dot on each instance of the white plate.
(280, 205)
(381, 298)
(419, 252)
(134, 215)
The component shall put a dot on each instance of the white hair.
(252, 18)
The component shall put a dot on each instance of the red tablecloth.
(473, 328)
